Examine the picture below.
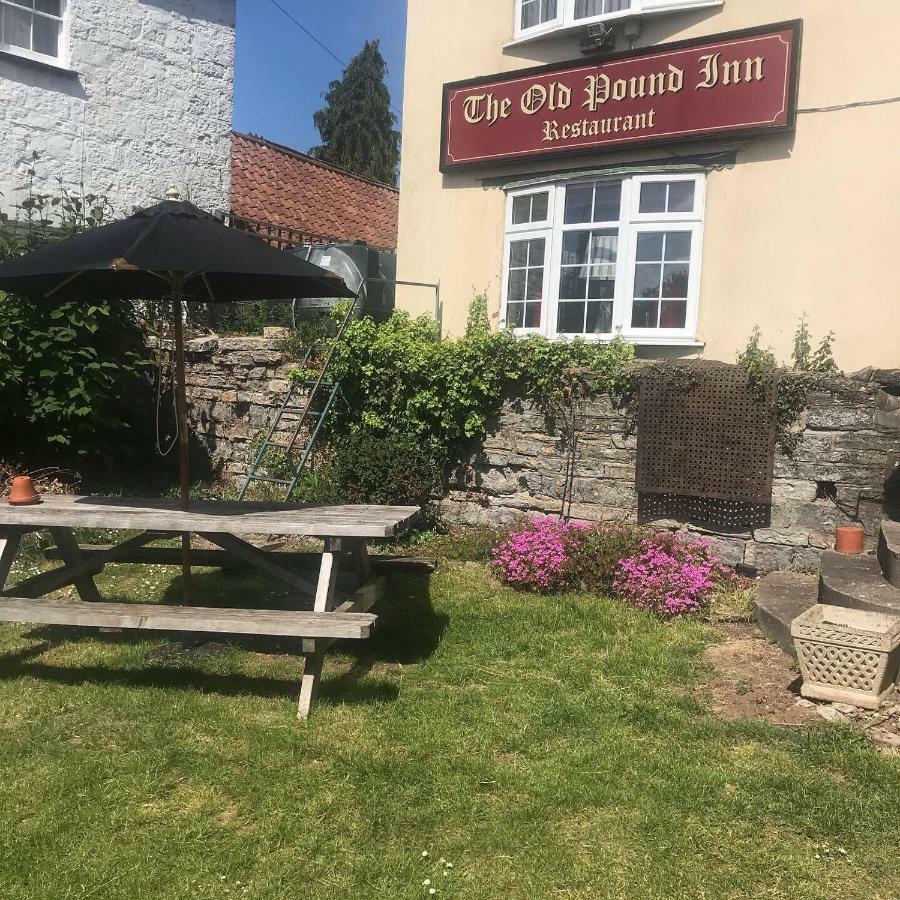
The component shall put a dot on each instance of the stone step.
(856, 582)
(780, 598)
(889, 551)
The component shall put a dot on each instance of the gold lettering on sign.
(600, 89)
(555, 96)
(553, 131)
(713, 71)
(486, 108)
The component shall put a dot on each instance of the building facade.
(675, 171)
(124, 98)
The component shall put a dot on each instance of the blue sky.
(281, 74)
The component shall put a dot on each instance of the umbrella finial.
(172, 193)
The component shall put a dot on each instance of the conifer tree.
(357, 124)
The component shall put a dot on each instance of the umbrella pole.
(181, 407)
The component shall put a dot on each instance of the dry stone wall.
(846, 467)
(234, 387)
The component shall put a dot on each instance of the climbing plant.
(792, 382)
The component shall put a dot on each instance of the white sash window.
(598, 257)
(32, 28)
(538, 17)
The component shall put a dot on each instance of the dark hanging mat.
(706, 445)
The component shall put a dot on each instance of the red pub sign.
(740, 83)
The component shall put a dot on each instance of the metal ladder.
(318, 388)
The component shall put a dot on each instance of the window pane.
(536, 253)
(573, 283)
(46, 36)
(650, 247)
(681, 196)
(539, 205)
(571, 318)
(604, 246)
(575, 247)
(579, 204)
(599, 318)
(675, 280)
(515, 315)
(653, 197)
(678, 246)
(16, 27)
(535, 284)
(644, 313)
(516, 291)
(673, 314)
(647, 280)
(607, 201)
(518, 254)
(49, 6)
(532, 315)
(531, 12)
(602, 285)
(521, 210)
(548, 10)
(586, 8)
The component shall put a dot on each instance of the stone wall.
(847, 462)
(849, 456)
(234, 386)
(142, 100)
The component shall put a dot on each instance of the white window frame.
(565, 15)
(60, 61)
(631, 223)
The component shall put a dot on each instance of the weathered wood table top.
(218, 517)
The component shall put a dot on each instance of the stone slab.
(889, 551)
(780, 598)
(856, 582)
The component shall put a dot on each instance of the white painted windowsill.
(20, 54)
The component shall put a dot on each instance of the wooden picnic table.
(333, 614)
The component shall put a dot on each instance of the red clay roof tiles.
(274, 184)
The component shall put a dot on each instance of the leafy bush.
(69, 371)
(367, 468)
(538, 557)
(597, 552)
(669, 576)
(400, 376)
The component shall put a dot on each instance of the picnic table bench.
(334, 614)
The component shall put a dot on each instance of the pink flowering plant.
(670, 576)
(538, 556)
(660, 572)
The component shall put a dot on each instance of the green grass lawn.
(546, 746)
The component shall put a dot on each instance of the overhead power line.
(315, 40)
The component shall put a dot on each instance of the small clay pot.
(850, 539)
(23, 492)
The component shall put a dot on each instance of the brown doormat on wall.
(706, 445)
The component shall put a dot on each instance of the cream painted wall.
(804, 222)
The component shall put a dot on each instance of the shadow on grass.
(408, 631)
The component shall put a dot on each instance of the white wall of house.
(139, 98)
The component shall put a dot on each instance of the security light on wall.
(599, 37)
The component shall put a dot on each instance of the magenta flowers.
(537, 557)
(670, 577)
(663, 573)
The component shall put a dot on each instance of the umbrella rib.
(67, 280)
(212, 296)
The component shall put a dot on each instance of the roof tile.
(275, 184)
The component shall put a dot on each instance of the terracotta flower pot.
(850, 539)
(23, 492)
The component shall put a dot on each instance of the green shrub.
(598, 552)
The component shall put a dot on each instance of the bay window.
(535, 18)
(604, 256)
(32, 28)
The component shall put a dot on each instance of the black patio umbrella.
(176, 251)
